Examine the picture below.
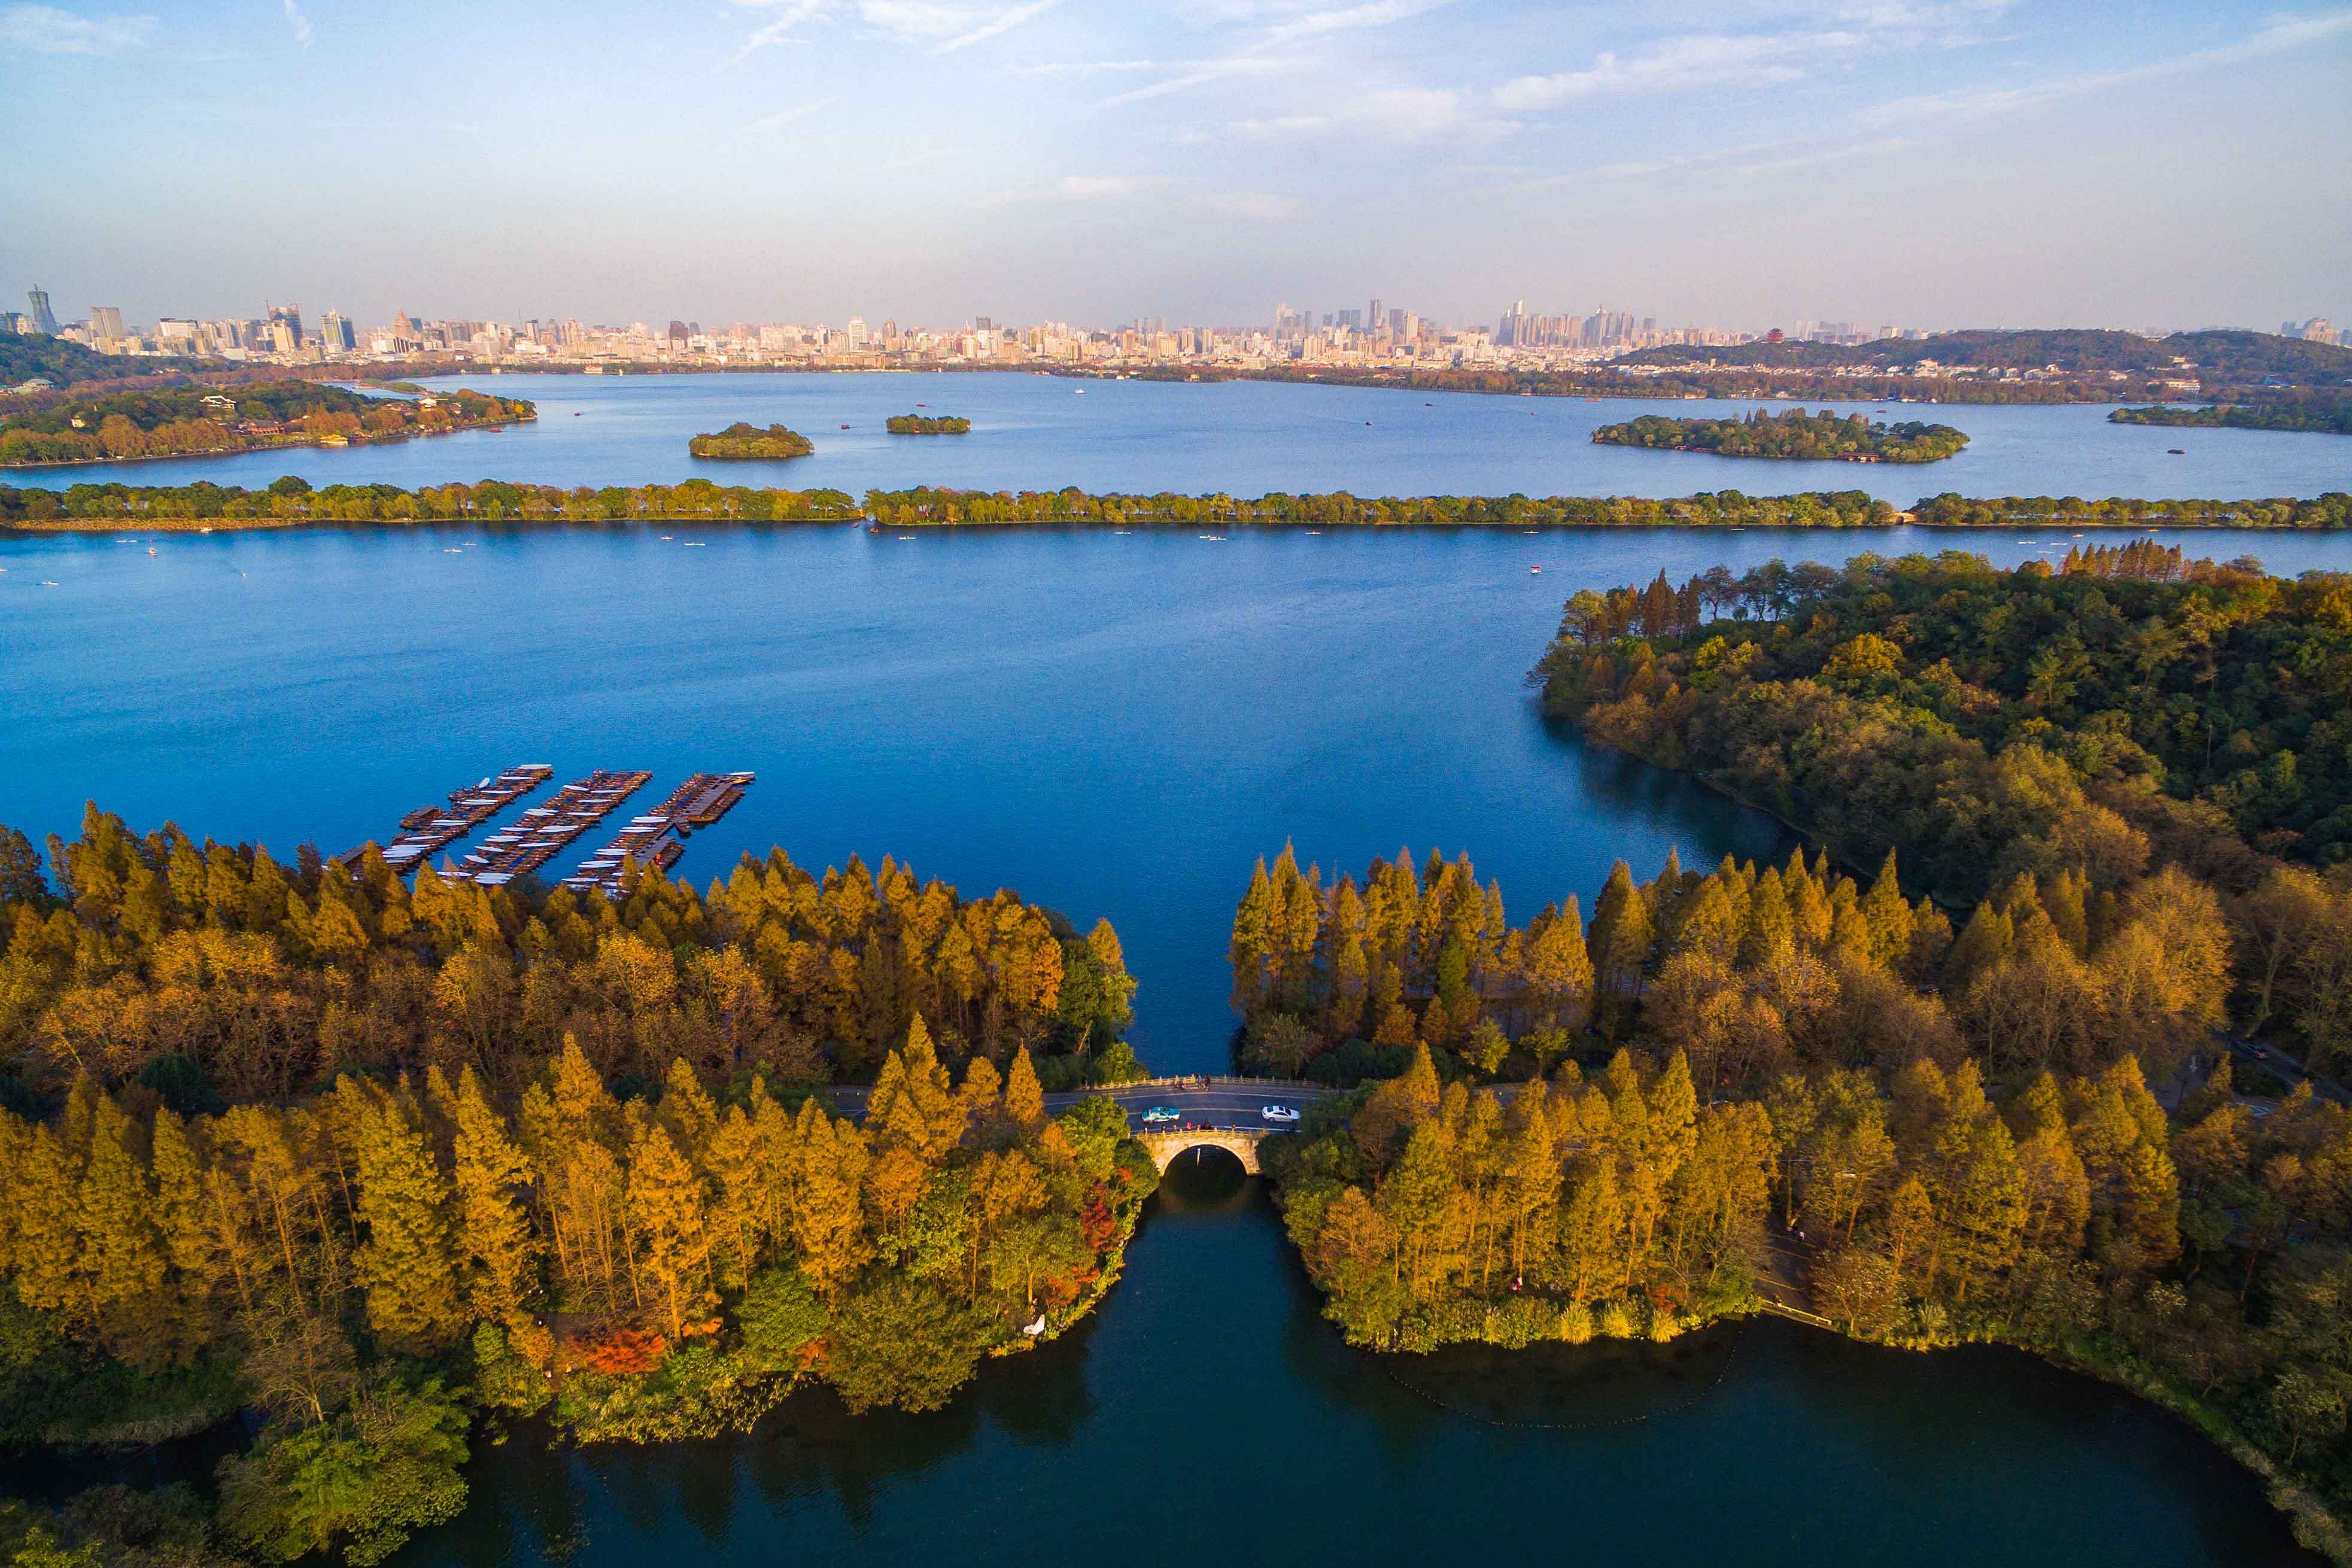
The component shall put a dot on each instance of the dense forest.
(744, 439)
(1776, 1083)
(293, 500)
(928, 425)
(1795, 435)
(2331, 416)
(184, 421)
(2127, 704)
(375, 1162)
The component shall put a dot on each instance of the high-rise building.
(337, 333)
(857, 332)
(44, 318)
(106, 324)
(287, 316)
(678, 334)
(1374, 317)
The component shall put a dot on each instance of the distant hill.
(2236, 358)
(24, 355)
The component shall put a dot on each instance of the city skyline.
(1741, 162)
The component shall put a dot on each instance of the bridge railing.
(1215, 1081)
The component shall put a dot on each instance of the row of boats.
(542, 832)
(655, 838)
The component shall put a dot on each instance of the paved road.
(2285, 1067)
(1229, 1103)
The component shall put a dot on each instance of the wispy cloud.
(1345, 18)
(1003, 22)
(1075, 190)
(1311, 24)
(1197, 73)
(776, 29)
(45, 30)
(784, 117)
(1395, 114)
(1678, 64)
(1835, 32)
(1994, 102)
(912, 160)
(299, 22)
(1073, 68)
(1262, 206)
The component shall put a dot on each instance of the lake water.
(1041, 432)
(1206, 1413)
(1114, 724)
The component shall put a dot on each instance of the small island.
(742, 439)
(1795, 435)
(2326, 418)
(928, 425)
(203, 421)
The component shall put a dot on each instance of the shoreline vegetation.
(2056, 763)
(1795, 436)
(744, 439)
(383, 1166)
(928, 425)
(293, 502)
(2315, 415)
(198, 422)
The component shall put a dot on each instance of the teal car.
(1159, 1114)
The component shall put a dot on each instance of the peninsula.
(201, 422)
(641, 1221)
(2323, 416)
(1795, 435)
(743, 439)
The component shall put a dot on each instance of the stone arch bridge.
(1239, 1142)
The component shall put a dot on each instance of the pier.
(656, 838)
(432, 828)
(540, 832)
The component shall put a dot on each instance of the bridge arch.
(1239, 1142)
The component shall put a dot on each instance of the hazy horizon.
(1741, 163)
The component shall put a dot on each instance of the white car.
(1277, 1113)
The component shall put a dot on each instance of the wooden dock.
(655, 838)
(542, 831)
(432, 828)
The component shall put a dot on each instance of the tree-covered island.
(198, 421)
(928, 425)
(378, 1163)
(2329, 416)
(744, 439)
(1794, 435)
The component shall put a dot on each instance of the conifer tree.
(495, 1235)
(671, 1227)
(185, 1219)
(122, 1264)
(1024, 1099)
(408, 1262)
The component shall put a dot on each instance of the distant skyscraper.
(1375, 316)
(678, 334)
(106, 324)
(290, 318)
(44, 318)
(337, 333)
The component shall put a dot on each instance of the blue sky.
(1735, 162)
